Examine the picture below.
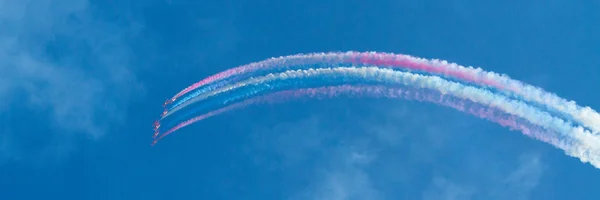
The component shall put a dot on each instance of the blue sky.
(83, 80)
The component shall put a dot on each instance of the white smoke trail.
(585, 116)
(583, 144)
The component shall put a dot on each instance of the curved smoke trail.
(243, 93)
(585, 116)
(581, 143)
(347, 73)
(571, 146)
(388, 76)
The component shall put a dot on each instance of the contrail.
(379, 75)
(573, 146)
(585, 116)
(585, 145)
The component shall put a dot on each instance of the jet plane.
(167, 102)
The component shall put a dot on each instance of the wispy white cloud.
(343, 177)
(399, 150)
(522, 180)
(497, 178)
(443, 189)
(340, 184)
(65, 67)
(517, 180)
(338, 159)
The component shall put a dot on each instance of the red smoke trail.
(403, 61)
(364, 58)
(585, 116)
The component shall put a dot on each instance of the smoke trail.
(210, 88)
(382, 76)
(281, 61)
(586, 116)
(240, 94)
(196, 93)
(489, 113)
(589, 144)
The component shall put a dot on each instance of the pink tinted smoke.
(369, 58)
(481, 111)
